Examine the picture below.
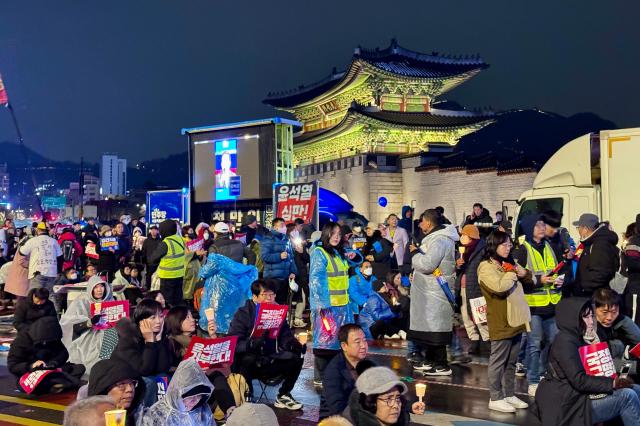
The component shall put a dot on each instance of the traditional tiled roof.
(395, 60)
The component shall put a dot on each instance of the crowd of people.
(451, 291)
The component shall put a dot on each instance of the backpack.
(67, 250)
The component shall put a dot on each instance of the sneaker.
(422, 366)
(395, 336)
(299, 323)
(438, 371)
(520, 370)
(402, 334)
(317, 383)
(516, 402)
(287, 401)
(386, 336)
(502, 406)
(531, 390)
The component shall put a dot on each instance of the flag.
(4, 98)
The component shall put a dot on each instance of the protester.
(360, 286)
(40, 347)
(17, 280)
(186, 400)
(381, 400)
(233, 249)
(169, 255)
(631, 264)
(301, 258)
(598, 258)
(568, 395)
(192, 265)
(108, 256)
(141, 343)
(149, 246)
(181, 327)
(329, 298)
(158, 297)
(44, 255)
(379, 252)
(35, 306)
(89, 411)
(90, 272)
(264, 357)
(406, 222)
(481, 218)
(254, 415)
(507, 317)
(398, 236)
(277, 257)
(431, 308)
(619, 331)
(340, 374)
(123, 384)
(472, 250)
(70, 247)
(542, 294)
(83, 342)
(377, 315)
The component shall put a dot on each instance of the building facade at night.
(367, 130)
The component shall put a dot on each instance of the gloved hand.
(96, 319)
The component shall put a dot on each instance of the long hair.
(493, 241)
(146, 309)
(173, 320)
(325, 238)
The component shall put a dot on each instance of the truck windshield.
(536, 207)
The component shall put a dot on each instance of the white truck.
(595, 173)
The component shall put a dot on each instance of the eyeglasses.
(123, 385)
(392, 401)
(268, 295)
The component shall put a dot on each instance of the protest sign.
(209, 352)
(112, 311)
(269, 317)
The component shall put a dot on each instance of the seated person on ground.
(340, 374)
(35, 306)
(618, 330)
(254, 415)
(39, 347)
(262, 357)
(120, 382)
(181, 327)
(89, 411)
(186, 400)
(360, 286)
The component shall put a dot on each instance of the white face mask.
(73, 276)
(108, 234)
(368, 271)
(205, 235)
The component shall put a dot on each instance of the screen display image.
(226, 157)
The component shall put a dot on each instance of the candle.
(461, 249)
(209, 312)
(115, 417)
(302, 338)
(421, 389)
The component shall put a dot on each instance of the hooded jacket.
(167, 228)
(361, 417)
(563, 395)
(375, 308)
(107, 373)
(405, 222)
(77, 248)
(360, 289)
(599, 262)
(170, 410)
(27, 312)
(430, 309)
(42, 342)
(149, 359)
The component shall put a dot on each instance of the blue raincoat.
(359, 290)
(375, 309)
(227, 287)
(336, 316)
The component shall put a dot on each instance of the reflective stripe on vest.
(338, 278)
(172, 264)
(539, 265)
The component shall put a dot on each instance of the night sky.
(88, 77)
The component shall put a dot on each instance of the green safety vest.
(338, 278)
(539, 265)
(172, 264)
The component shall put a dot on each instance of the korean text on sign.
(209, 352)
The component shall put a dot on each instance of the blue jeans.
(542, 330)
(623, 402)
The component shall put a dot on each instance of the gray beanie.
(379, 380)
(252, 414)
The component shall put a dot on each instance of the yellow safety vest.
(172, 264)
(539, 265)
(338, 278)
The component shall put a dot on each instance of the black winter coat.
(563, 395)
(149, 359)
(470, 271)
(233, 249)
(27, 312)
(337, 385)
(599, 262)
(148, 247)
(382, 262)
(43, 342)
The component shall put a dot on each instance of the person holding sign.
(181, 327)
(571, 395)
(328, 295)
(260, 354)
(83, 342)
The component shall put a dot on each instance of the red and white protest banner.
(30, 381)
(297, 200)
(195, 245)
(269, 317)
(597, 360)
(90, 250)
(478, 310)
(210, 352)
(113, 311)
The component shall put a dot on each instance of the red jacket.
(77, 248)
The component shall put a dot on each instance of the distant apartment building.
(113, 175)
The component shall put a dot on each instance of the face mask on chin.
(368, 272)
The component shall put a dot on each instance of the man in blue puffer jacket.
(277, 258)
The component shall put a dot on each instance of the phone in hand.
(624, 370)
